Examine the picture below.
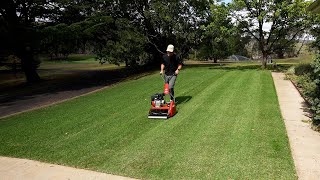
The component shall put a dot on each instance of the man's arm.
(162, 68)
(179, 68)
(179, 65)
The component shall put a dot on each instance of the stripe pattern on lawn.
(228, 126)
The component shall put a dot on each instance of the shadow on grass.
(183, 99)
(22, 96)
(13, 98)
(228, 67)
(241, 66)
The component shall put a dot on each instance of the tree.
(122, 43)
(315, 31)
(288, 20)
(220, 38)
(170, 22)
(60, 40)
(282, 47)
(119, 31)
(19, 32)
(154, 24)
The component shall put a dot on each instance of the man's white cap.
(170, 48)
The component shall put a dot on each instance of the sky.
(227, 1)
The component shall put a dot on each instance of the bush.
(291, 70)
(302, 69)
(307, 85)
(315, 102)
(307, 79)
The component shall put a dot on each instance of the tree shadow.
(23, 96)
(225, 66)
(241, 67)
(306, 108)
(183, 99)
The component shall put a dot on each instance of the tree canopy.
(138, 31)
(287, 21)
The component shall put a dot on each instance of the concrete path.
(304, 142)
(16, 169)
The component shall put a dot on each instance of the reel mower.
(160, 109)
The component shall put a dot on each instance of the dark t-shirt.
(171, 63)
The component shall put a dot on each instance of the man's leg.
(167, 78)
(172, 82)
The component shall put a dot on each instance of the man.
(171, 65)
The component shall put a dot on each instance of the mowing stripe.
(228, 125)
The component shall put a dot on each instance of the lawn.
(56, 69)
(302, 59)
(228, 126)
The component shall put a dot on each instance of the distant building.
(314, 7)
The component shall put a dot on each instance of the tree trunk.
(304, 39)
(31, 75)
(264, 60)
(29, 67)
(280, 55)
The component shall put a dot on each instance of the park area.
(228, 125)
(78, 84)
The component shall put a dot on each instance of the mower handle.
(162, 75)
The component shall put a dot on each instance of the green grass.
(58, 69)
(306, 58)
(71, 59)
(228, 126)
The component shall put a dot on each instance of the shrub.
(302, 69)
(291, 70)
(315, 99)
(307, 85)
(307, 78)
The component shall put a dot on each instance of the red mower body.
(172, 109)
(161, 109)
(164, 111)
